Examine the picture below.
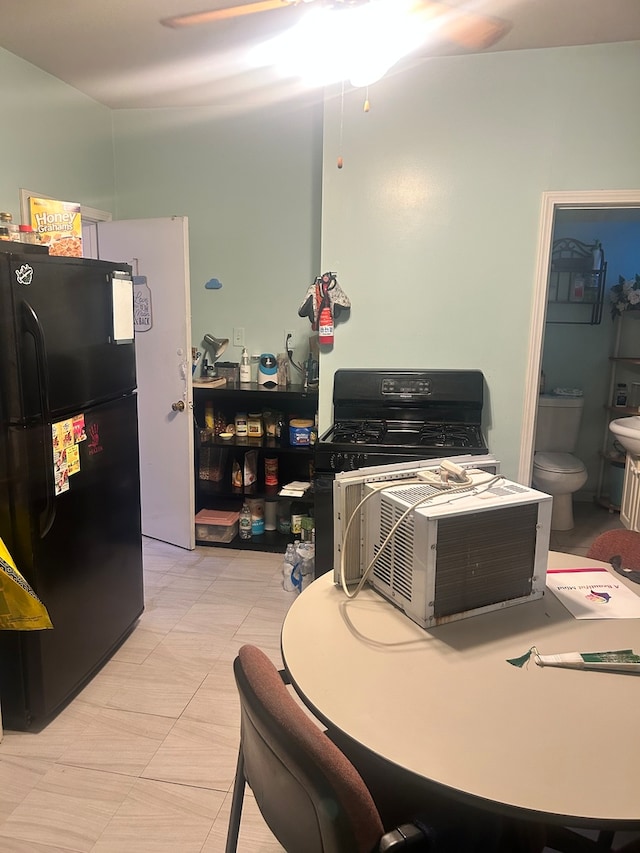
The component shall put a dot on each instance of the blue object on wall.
(213, 284)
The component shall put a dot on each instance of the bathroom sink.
(627, 432)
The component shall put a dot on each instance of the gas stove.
(386, 417)
(391, 416)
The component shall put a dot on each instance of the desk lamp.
(215, 347)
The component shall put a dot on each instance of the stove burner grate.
(359, 432)
(449, 435)
(406, 434)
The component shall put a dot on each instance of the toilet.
(556, 470)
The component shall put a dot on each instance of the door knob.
(178, 407)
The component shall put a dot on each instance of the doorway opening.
(613, 204)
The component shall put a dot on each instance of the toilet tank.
(558, 423)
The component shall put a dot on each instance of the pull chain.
(340, 160)
(365, 107)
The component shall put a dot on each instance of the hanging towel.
(311, 304)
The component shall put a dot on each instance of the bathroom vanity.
(624, 369)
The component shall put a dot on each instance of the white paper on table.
(593, 594)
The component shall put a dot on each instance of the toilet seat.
(558, 463)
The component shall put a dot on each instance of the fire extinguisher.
(325, 318)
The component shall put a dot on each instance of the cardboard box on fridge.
(58, 225)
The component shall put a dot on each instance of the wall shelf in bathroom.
(625, 359)
(575, 292)
(622, 411)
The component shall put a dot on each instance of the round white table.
(445, 705)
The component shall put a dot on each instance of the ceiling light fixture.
(357, 43)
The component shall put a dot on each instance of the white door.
(158, 249)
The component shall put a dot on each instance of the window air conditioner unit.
(442, 556)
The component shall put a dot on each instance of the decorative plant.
(625, 295)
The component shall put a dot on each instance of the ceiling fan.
(469, 29)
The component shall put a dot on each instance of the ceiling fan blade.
(472, 30)
(193, 19)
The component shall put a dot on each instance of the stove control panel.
(406, 387)
(347, 461)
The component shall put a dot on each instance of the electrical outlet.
(288, 341)
(238, 336)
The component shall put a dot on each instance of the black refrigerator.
(69, 471)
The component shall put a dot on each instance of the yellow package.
(20, 608)
(58, 224)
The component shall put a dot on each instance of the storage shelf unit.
(215, 456)
(576, 290)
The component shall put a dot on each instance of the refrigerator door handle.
(32, 326)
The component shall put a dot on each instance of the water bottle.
(245, 522)
(306, 554)
(296, 570)
(288, 563)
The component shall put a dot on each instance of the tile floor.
(589, 521)
(143, 759)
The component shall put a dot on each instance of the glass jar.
(241, 423)
(269, 419)
(28, 235)
(254, 425)
(271, 471)
(6, 221)
(254, 364)
(283, 515)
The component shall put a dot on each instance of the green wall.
(54, 140)
(432, 224)
(250, 185)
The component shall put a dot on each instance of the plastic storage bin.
(213, 525)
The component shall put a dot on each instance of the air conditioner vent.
(414, 492)
(484, 558)
(394, 565)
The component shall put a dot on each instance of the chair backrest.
(624, 543)
(309, 793)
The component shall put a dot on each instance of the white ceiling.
(117, 53)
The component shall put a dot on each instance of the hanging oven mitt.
(308, 307)
(339, 299)
(20, 608)
(326, 284)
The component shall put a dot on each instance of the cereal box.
(59, 225)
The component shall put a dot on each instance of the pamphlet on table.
(592, 593)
